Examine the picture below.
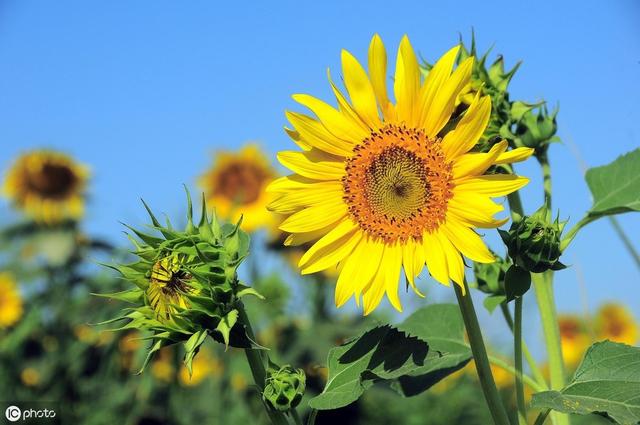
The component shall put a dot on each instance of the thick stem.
(546, 176)
(479, 351)
(535, 370)
(543, 285)
(256, 363)
(517, 357)
(312, 417)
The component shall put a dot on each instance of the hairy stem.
(543, 284)
(256, 363)
(517, 357)
(535, 370)
(479, 351)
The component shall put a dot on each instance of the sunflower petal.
(515, 155)
(434, 81)
(477, 163)
(360, 90)
(331, 248)
(392, 266)
(469, 129)
(467, 242)
(333, 120)
(435, 258)
(378, 71)
(314, 164)
(455, 265)
(295, 200)
(413, 262)
(358, 271)
(444, 102)
(313, 133)
(407, 82)
(315, 217)
(493, 185)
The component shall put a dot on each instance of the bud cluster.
(284, 387)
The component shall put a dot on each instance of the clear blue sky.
(145, 91)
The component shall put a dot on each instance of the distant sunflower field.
(390, 186)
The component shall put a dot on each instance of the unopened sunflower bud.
(490, 276)
(533, 242)
(284, 387)
(536, 130)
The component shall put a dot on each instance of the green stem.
(479, 351)
(542, 417)
(517, 356)
(625, 240)
(296, 417)
(546, 176)
(535, 370)
(543, 284)
(256, 363)
(312, 417)
(497, 361)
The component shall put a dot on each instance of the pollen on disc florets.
(398, 183)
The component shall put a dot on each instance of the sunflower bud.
(284, 387)
(536, 130)
(186, 285)
(490, 276)
(534, 241)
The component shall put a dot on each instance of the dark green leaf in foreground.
(410, 357)
(607, 382)
(616, 186)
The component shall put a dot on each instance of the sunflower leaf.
(606, 383)
(409, 358)
(615, 187)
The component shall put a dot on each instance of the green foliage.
(284, 387)
(607, 383)
(410, 358)
(186, 285)
(615, 187)
(517, 282)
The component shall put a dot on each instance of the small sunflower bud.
(536, 130)
(490, 276)
(284, 387)
(534, 242)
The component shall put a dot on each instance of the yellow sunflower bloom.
(235, 185)
(384, 186)
(616, 323)
(574, 339)
(168, 285)
(10, 301)
(48, 186)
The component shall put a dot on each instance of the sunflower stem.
(256, 362)
(535, 370)
(543, 284)
(479, 351)
(543, 159)
(517, 358)
(496, 361)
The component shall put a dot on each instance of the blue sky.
(144, 92)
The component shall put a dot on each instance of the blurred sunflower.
(236, 184)
(162, 367)
(384, 186)
(204, 365)
(616, 323)
(48, 186)
(574, 339)
(10, 301)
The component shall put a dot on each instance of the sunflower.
(383, 186)
(236, 184)
(10, 301)
(168, 284)
(49, 186)
(615, 322)
(574, 339)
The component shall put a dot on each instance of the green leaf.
(517, 282)
(225, 325)
(410, 358)
(493, 301)
(615, 187)
(607, 383)
(192, 346)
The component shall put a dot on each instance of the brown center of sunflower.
(398, 183)
(52, 180)
(241, 182)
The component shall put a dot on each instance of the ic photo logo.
(13, 413)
